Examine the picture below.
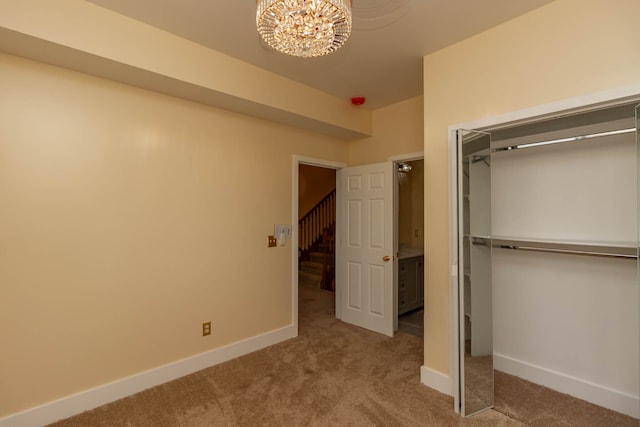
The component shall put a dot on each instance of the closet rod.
(568, 139)
(624, 252)
(567, 251)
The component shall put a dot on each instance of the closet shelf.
(625, 250)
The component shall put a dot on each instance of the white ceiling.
(381, 61)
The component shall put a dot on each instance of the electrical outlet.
(206, 329)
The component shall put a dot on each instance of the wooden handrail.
(331, 194)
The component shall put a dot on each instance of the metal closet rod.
(559, 248)
(568, 139)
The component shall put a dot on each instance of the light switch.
(282, 230)
(273, 242)
(282, 233)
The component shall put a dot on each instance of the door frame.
(322, 163)
(584, 103)
(328, 164)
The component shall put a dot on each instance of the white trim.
(295, 218)
(312, 161)
(407, 157)
(594, 393)
(603, 99)
(454, 344)
(106, 393)
(435, 380)
(297, 161)
(339, 274)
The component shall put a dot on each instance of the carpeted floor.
(333, 374)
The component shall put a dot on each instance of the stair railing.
(328, 259)
(313, 224)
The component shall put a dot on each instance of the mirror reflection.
(476, 335)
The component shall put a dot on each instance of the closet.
(548, 249)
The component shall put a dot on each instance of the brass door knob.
(386, 258)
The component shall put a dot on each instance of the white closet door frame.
(583, 103)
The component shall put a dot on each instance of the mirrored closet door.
(474, 216)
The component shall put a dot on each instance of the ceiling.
(381, 61)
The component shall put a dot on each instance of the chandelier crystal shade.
(305, 28)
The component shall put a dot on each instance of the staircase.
(317, 245)
(311, 270)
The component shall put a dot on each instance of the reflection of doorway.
(410, 250)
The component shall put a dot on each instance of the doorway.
(313, 180)
(408, 234)
(410, 246)
(316, 226)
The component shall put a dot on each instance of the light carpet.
(332, 374)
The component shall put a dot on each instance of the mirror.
(474, 278)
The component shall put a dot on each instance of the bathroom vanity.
(410, 280)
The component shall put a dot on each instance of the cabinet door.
(410, 284)
(407, 289)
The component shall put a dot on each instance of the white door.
(365, 262)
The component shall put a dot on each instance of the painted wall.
(397, 129)
(129, 218)
(566, 49)
(80, 35)
(313, 185)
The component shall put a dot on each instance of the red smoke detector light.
(358, 100)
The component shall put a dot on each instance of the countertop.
(410, 253)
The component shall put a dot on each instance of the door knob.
(386, 258)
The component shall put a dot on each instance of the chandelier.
(306, 28)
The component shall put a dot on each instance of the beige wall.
(128, 218)
(313, 185)
(566, 49)
(83, 36)
(397, 129)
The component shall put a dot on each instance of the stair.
(311, 271)
(316, 245)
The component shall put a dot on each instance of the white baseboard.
(436, 380)
(89, 399)
(594, 393)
